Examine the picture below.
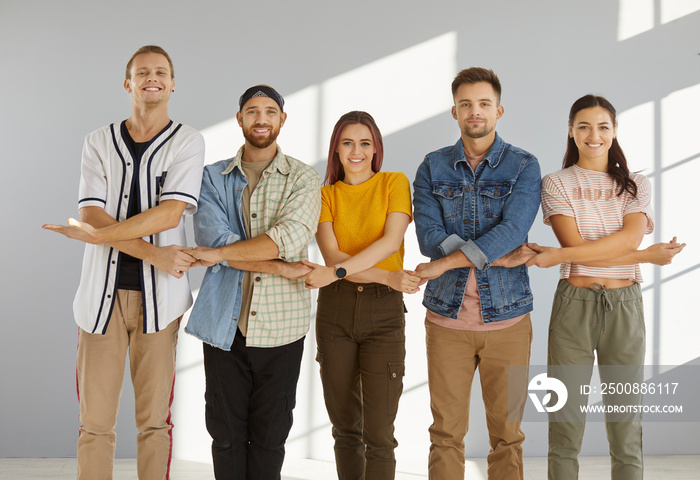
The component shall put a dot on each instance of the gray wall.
(62, 73)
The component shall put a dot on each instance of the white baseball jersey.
(170, 169)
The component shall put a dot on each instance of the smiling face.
(261, 119)
(593, 131)
(476, 109)
(151, 80)
(356, 151)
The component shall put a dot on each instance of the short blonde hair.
(149, 49)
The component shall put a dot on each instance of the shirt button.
(253, 313)
(360, 288)
(255, 215)
(257, 279)
(393, 375)
(113, 262)
(126, 196)
(109, 296)
(459, 284)
(128, 164)
(465, 221)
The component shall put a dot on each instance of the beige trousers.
(100, 375)
(453, 357)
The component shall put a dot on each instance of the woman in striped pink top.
(599, 212)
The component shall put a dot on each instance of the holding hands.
(205, 257)
(405, 281)
(319, 276)
(173, 259)
(658, 254)
(663, 253)
(545, 256)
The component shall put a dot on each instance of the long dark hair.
(334, 170)
(617, 163)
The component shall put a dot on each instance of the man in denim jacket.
(474, 204)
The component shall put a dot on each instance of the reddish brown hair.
(334, 169)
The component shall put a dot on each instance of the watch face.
(340, 272)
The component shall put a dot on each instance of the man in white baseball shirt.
(138, 179)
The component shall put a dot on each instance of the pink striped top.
(591, 198)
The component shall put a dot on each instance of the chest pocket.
(450, 197)
(493, 197)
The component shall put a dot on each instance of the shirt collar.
(279, 163)
(493, 156)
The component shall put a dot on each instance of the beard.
(261, 142)
(480, 132)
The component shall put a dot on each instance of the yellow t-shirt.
(359, 212)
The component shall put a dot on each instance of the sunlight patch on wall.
(298, 137)
(191, 439)
(222, 140)
(399, 90)
(634, 17)
(635, 133)
(680, 159)
(638, 16)
(674, 9)
(680, 125)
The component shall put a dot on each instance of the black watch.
(340, 272)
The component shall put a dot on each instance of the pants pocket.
(396, 372)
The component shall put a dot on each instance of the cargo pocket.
(395, 379)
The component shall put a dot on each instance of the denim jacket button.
(467, 188)
(465, 221)
(459, 284)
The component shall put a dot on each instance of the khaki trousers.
(100, 375)
(453, 357)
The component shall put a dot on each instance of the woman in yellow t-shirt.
(360, 315)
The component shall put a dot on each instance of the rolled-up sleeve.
(298, 215)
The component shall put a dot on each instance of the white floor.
(667, 467)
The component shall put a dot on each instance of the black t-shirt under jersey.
(129, 277)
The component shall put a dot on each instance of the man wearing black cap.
(257, 213)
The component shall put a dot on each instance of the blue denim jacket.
(484, 213)
(220, 292)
